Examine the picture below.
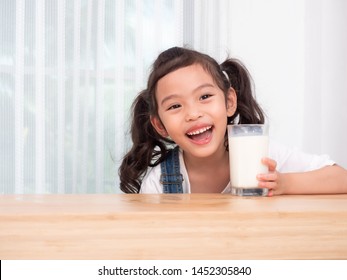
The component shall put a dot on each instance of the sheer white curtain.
(69, 71)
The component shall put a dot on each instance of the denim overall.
(171, 177)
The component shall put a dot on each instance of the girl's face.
(193, 111)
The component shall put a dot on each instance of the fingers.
(270, 179)
(271, 176)
(270, 163)
(267, 184)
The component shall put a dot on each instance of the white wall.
(326, 75)
(269, 39)
(296, 53)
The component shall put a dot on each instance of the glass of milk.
(248, 144)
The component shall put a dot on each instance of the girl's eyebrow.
(167, 98)
(171, 96)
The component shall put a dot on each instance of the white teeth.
(199, 131)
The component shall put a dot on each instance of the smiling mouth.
(200, 134)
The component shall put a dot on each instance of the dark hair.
(149, 148)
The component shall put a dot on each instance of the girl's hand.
(271, 180)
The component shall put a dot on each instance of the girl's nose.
(193, 115)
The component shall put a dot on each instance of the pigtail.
(143, 152)
(248, 110)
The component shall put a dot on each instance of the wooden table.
(171, 226)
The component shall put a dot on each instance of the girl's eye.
(205, 96)
(175, 106)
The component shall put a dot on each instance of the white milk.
(245, 154)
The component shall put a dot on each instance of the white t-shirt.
(288, 160)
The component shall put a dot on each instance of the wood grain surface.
(172, 226)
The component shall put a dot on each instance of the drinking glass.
(248, 144)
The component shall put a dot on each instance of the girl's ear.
(158, 126)
(231, 102)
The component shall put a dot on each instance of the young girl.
(179, 133)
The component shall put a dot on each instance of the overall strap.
(171, 177)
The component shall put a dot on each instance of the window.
(69, 71)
